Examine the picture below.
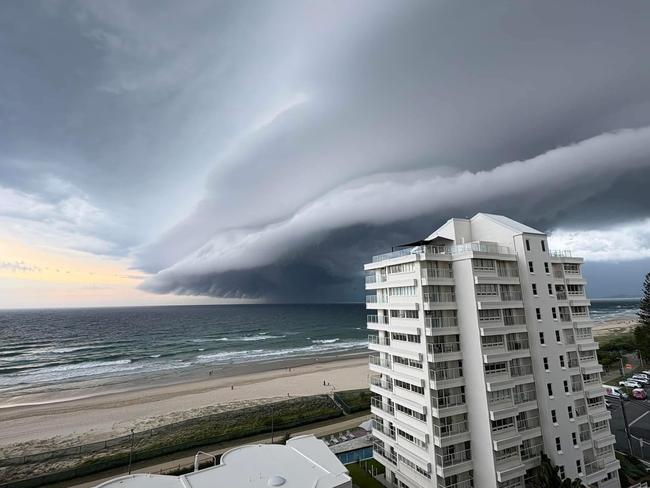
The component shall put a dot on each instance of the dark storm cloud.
(267, 150)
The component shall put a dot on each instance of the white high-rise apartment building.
(484, 358)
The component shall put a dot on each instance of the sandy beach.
(32, 428)
(612, 327)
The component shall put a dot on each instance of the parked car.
(630, 383)
(641, 378)
(639, 394)
(646, 372)
(615, 392)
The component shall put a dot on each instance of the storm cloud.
(256, 150)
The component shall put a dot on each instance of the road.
(638, 417)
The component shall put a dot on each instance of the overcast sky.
(182, 152)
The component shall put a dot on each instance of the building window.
(554, 416)
(566, 386)
(561, 471)
(541, 338)
(570, 412)
(561, 361)
(546, 269)
(550, 289)
(545, 363)
(530, 267)
(534, 289)
(574, 437)
(554, 312)
(549, 388)
(558, 444)
(557, 336)
(538, 313)
(543, 246)
(527, 245)
(578, 466)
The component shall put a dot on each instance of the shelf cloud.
(248, 150)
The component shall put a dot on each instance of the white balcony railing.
(527, 423)
(377, 403)
(377, 319)
(519, 319)
(439, 297)
(440, 322)
(446, 374)
(378, 361)
(433, 273)
(449, 430)
(448, 401)
(381, 383)
(524, 396)
(443, 347)
(452, 459)
(512, 296)
(381, 341)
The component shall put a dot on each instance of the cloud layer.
(241, 149)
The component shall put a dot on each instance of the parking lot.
(638, 417)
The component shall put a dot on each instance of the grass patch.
(354, 400)
(362, 478)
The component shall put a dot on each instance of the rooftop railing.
(560, 253)
(477, 246)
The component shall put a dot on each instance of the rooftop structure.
(303, 462)
(484, 359)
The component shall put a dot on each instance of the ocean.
(45, 351)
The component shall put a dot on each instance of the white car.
(630, 383)
(641, 378)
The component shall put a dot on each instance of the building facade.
(484, 358)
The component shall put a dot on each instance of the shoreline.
(44, 426)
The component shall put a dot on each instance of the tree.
(548, 476)
(644, 306)
(642, 331)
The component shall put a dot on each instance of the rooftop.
(303, 462)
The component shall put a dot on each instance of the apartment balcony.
(558, 275)
(509, 466)
(379, 407)
(446, 378)
(505, 436)
(445, 435)
(374, 302)
(497, 379)
(503, 300)
(377, 322)
(383, 455)
(502, 408)
(443, 351)
(381, 386)
(531, 455)
(380, 365)
(598, 412)
(454, 463)
(468, 483)
(561, 296)
(382, 432)
(437, 276)
(489, 275)
(377, 343)
(598, 469)
(445, 406)
(579, 318)
(602, 438)
(439, 300)
(435, 326)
